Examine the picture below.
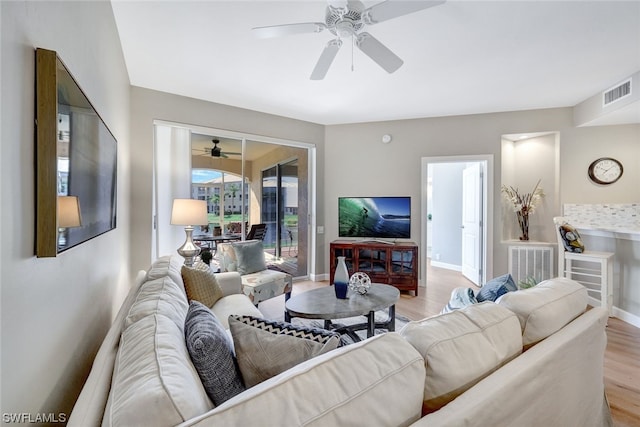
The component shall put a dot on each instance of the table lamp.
(189, 212)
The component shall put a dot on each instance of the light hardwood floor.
(622, 357)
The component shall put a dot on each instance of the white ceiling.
(462, 57)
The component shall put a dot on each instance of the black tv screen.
(375, 217)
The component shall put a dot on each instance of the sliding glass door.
(280, 211)
(245, 180)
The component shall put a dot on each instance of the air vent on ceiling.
(617, 93)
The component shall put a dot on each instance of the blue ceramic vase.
(341, 279)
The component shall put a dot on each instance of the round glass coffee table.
(321, 303)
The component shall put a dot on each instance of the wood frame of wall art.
(76, 155)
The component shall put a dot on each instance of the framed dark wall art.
(76, 155)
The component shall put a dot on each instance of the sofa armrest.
(230, 282)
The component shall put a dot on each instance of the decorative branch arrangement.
(523, 205)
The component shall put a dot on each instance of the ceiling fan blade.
(381, 54)
(288, 29)
(392, 9)
(326, 58)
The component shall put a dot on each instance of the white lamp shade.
(189, 212)
(69, 212)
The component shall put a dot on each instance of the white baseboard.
(319, 277)
(445, 265)
(632, 319)
(626, 316)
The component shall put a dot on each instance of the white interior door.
(472, 222)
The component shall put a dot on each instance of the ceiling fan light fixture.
(344, 29)
(216, 151)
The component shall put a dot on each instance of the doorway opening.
(457, 212)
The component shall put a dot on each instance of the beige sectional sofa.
(534, 358)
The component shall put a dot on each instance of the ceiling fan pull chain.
(353, 42)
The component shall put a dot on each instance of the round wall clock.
(605, 170)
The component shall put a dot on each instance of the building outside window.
(222, 193)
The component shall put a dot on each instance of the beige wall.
(359, 164)
(55, 311)
(148, 105)
(524, 162)
(581, 146)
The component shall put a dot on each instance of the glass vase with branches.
(523, 205)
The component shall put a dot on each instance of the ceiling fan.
(347, 18)
(216, 151)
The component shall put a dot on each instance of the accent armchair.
(258, 282)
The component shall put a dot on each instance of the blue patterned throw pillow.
(495, 288)
(211, 352)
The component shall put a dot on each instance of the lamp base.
(189, 250)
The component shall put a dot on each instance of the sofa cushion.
(154, 381)
(234, 304)
(159, 296)
(200, 284)
(462, 347)
(266, 348)
(571, 239)
(212, 354)
(249, 256)
(496, 287)
(167, 266)
(546, 308)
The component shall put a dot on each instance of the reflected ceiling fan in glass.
(217, 151)
(348, 19)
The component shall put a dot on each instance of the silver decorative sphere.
(360, 282)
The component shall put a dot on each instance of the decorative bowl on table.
(360, 282)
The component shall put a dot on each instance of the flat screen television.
(374, 217)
